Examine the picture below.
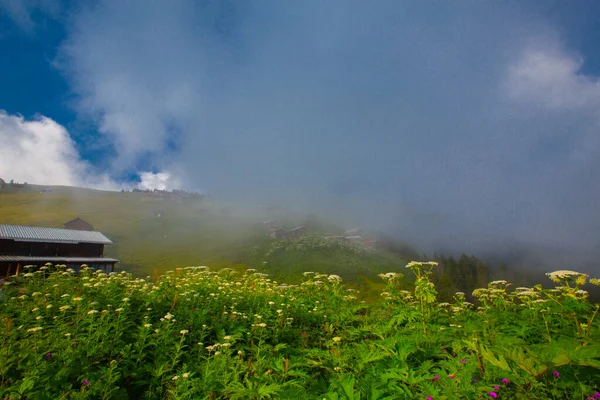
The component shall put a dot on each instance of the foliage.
(194, 333)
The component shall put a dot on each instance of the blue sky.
(459, 124)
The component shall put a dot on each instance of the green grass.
(197, 334)
(187, 233)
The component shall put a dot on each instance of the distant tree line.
(12, 183)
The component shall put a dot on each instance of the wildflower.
(451, 376)
(35, 309)
(493, 395)
(85, 383)
(556, 276)
(37, 328)
(435, 378)
(474, 380)
(556, 374)
(227, 338)
(463, 361)
(126, 299)
(64, 295)
(119, 309)
(147, 325)
(67, 334)
(335, 278)
(337, 339)
(92, 312)
(505, 381)
(175, 378)
(77, 298)
(184, 331)
(48, 354)
(185, 375)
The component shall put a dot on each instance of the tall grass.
(193, 333)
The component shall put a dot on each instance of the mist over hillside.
(164, 230)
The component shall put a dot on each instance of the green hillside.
(149, 233)
(152, 233)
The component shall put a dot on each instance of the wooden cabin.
(30, 245)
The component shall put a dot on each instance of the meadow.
(194, 333)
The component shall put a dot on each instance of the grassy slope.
(190, 232)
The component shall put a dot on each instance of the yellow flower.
(37, 328)
(337, 339)
(184, 331)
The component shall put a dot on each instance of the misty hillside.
(156, 233)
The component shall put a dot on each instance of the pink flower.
(435, 378)
(493, 395)
(556, 374)
(429, 398)
(505, 381)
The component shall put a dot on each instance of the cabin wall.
(81, 250)
(12, 248)
(39, 249)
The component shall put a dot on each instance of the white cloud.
(41, 151)
(552, 78)
(159, 180)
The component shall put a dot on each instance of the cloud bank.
(464, 126)
(41, 151)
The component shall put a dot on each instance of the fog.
(467, 126)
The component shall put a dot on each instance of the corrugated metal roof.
(58, 259)
(53, 235)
